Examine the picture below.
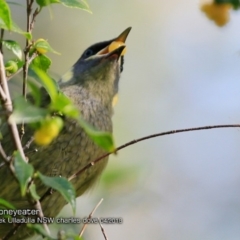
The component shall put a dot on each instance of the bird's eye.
(88, 53)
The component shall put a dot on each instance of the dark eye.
(88, 53)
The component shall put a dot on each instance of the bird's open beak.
(123, 36)
(116, 53)
(116, 43)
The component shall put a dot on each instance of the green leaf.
(33, 192)
(235, 3)
(26, 112)
(42, 62)
(63, 186)
(42, 46)
(44, 3)
(70, 235)
(40, 230)
(15, 28)
(19, 63)
(61, 103)
(82, 4)
(14, 47)
(77, 238)
(6, 204)
(5, 15)
(49, 84)
(102, 139)
(23, 172)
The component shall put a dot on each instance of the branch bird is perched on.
(92, 85)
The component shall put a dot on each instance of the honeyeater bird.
(92, 85)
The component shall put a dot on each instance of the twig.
(102, 229)
(89, 217)
(3, 154)
(27, 48)
(30, 24)
(1, 38)
(40, 214)
(46, 194)
(148, 137)
(7, 105)
(2, 94)
(5, 158)
(36, 12)
(29, 142)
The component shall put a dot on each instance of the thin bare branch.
(49, 191)
(7, 105)
(3, 154)
(102, 229)
(29, 142)
(27, 57)
(27, 48)
(89, 217)
(36, 12)
(30, 25)
(40, 214)
(1, 38)
(149, 137)
(2, 94)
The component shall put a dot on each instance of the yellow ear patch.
(115, 99)
(114, 45)
(67, 76)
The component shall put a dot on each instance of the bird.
(92, 85)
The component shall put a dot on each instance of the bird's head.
(99, 67)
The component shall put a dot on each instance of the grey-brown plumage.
(91, 85)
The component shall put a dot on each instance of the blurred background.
(180, 71)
